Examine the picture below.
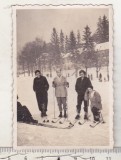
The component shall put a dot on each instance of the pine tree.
(78, 39)
(72, 42)
(88, 40)
(88, 48)
(66, 44)
(105, 29)
(55, 45)
(74, 51)
(55, 39)
(102, 33)
(61, 42)
(98, 34)
(44, 47)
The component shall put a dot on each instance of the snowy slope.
(77, 136)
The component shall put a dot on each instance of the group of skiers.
(83, 87)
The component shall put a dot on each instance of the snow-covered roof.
(102, 46)
(98, 47)
(80, 50)
(66, 55)
(69, 54)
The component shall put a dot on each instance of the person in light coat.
(60, 84)
(95, 102)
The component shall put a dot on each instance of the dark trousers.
(42, 100)
(96, 113)
(80, 99)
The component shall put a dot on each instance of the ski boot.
(77, 117)
(86, 116)
(60, 115)
(65, 115)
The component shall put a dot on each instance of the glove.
(53, 84)
(67, 84)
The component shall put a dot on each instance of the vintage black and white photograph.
(63, 86)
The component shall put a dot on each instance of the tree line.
(39, 54)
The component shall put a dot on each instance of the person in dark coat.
(81, 86)
(23, 114)
(40, 87)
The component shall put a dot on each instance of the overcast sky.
(33, 23)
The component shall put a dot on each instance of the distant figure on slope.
(81, 86)
(100, 77)
(88, 76)
(60, 84)
(40, 87)
(23, 114)
(95, 100)
(108, 77)
(91, 77)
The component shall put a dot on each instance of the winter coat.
(95, 99)
(23, 113)
(40, 85)
(60, 85)
(82, 85)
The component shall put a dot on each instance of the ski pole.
(102, 118)
(67, 107)
(54, 103)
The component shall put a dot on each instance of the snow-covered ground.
(31, 135)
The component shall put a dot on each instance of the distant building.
(101, 50)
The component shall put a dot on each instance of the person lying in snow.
(23, 114)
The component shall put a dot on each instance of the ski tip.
(91, 126)
(80, 123)
(103, 122)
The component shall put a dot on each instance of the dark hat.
(37, 71)
(82, 71)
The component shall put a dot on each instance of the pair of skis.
(72, 124)
(96, 123)
(92, 125)
(101, 121)
(45, 120)
(61, 120)
(56, 120)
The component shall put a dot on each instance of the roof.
(66, 55)
(98, 47)
(102, 46)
